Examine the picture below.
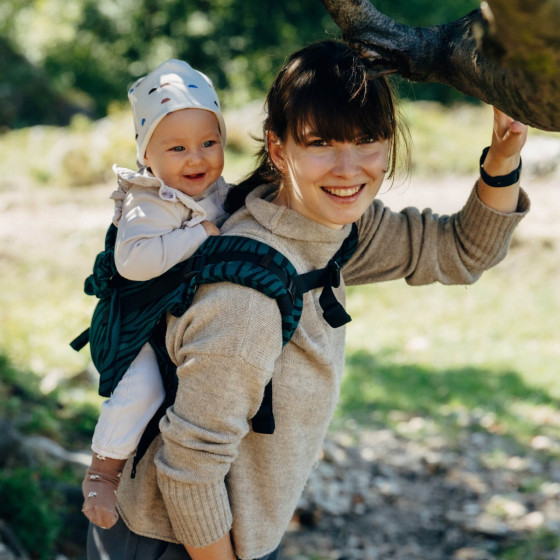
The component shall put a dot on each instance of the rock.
(389, 497)
(47, 450)
(471, 554)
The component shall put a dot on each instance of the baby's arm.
(151, 238)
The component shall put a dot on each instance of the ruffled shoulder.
(196, 212)
(125, 179)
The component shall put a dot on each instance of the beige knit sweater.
(208, 473)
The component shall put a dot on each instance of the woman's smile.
(348, 194)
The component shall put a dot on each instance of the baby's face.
(186, 150)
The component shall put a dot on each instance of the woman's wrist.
(497, 171)
(220, 550)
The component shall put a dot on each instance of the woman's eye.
(317, 142)
(367, 140)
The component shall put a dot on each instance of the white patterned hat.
(172, 86)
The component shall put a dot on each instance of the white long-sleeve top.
(159, 226)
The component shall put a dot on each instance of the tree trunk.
(506, 53)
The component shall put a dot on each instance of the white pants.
(126, 413)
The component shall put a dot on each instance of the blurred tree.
(423, 13)
(238, 44)
(26, 96)
(90, 51)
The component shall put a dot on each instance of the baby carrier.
(130, 313)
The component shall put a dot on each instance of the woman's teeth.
(343, 192)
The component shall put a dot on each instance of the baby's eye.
(177, 149)
(208, 143)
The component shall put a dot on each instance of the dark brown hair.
(324, 87)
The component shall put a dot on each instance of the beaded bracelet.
(500, 180)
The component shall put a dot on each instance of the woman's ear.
(275, 150)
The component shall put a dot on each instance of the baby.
(163, 213)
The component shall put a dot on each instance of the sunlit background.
(421, 361)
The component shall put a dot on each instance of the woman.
(210, 485)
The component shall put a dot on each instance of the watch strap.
(500, 180)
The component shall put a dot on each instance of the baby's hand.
(210, 228)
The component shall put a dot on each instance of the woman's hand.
(504, 156)
(220, 550)
(508, 137)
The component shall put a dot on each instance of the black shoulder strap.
(290, 289)
(333, 312)
(329, 277)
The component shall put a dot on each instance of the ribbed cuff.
(200, 514)
(488, 229)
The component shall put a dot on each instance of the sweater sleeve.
(222, 372)
(150, 238)
(423, 247)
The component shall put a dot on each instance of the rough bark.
(506, 53)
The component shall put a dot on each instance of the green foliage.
(28, 509)
(26, 96)
(239, 44)
(536, 547)
(63, 418)
(88, 52)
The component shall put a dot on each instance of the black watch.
(501, 180)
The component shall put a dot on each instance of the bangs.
(339, 107)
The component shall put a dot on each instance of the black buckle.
(291, 288)
(334, 274)
(193, 266)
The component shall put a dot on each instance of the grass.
(437, 350)
(83, 153)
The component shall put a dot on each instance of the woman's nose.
(345, 161)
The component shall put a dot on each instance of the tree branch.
(484, 54)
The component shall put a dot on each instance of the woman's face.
(332, 183)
